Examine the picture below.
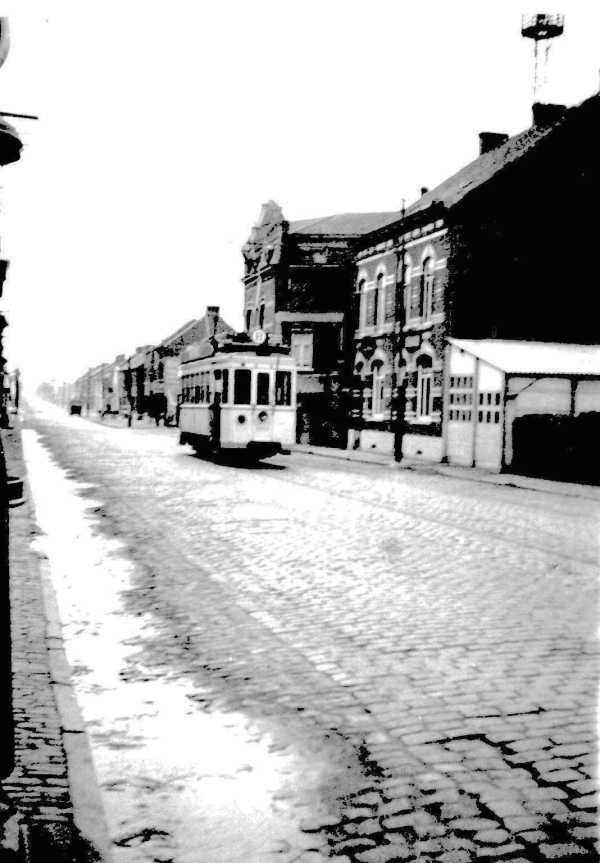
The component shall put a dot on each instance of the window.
(461, 398)
(361, 304)
(248, 319)
(283, 388)
(261, 315)
(426, 297)
(241, 386)
(377, 398)
(409, 309)
(371, 307)
(302, 349)
(489, 404)
(262, 388)
(390, 302)
(225, 393)
(424, 387)
(378, 296)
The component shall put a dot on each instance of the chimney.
(424, 190)
(546, 113)
(489, 141)
(212, 318)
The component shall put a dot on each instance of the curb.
(88, 810)
(89, 838)
(545, 486)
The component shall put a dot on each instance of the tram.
(237, 394)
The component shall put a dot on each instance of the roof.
(179, 332)
(534, 358)
(344, 224)
(484, 167)
(480, 170)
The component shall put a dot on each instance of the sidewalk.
(468, 474)
(55, 814)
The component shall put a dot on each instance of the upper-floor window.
(359, 308)
(248, 319)
(261, 315)
(389, 307)
(379, 289)
(302, 349)
(426, 289)
(371, 307)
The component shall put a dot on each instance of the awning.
(534, 358)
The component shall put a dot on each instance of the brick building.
(500, 250)
(298, 283)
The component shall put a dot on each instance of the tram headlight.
(262, 416)
(241, 418)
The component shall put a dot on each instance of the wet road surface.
(313, 660)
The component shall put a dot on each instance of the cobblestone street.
(425, 647)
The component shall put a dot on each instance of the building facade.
(488, 254)
(298, 286)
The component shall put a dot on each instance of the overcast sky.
(164, 127)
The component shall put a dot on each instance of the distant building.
(135, 371)
(163, 383)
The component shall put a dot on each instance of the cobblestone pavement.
(438, 636)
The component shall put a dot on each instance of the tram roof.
(216, 349)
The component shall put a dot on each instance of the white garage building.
(489, 383)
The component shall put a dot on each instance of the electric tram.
(237, 394)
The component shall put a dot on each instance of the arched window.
(407, 279)
(378, 399)
(371, 307)
(426, 293)
(379, 289)
(361, 316)
(424, 387)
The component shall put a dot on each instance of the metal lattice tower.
(541, 28)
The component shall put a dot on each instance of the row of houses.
(146, 382)
(459, 328)
(462, 328)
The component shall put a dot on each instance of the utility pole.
(398, 379)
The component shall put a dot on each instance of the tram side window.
(241, 386)
(225, 394)
(196, 397)
(283, 388)
(262, 388)
(208, 387)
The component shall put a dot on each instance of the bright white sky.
(165, 126)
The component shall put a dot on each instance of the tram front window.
(241, 386)
(283, 388)
(262, 388)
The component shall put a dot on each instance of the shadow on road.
(234, 460)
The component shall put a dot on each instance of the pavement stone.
(445, 629)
